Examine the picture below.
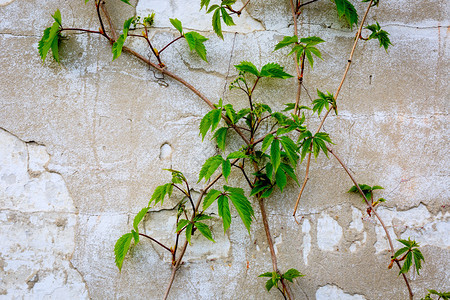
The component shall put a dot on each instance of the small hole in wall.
(165, 152)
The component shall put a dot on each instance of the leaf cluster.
(347, 11)
(191, 226)
(303, 48)
(275, 277)
(270, 70)
(381, 35)
(441, 295)
(324, 101)
(368, 192)
(314, 144)
(412, 252)
(51, 38)
(220, 14)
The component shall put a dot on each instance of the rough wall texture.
(82, 145)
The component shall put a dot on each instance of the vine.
(267, 159)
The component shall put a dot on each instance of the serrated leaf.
(230, 113)
(259, 188)
(226, 17)
(160, 192)
(377, 187)
(205, 231)
(236, 154)
(226, 169)
(181, 224)
(406, 264)
(117, 47)
(311, 40)
(266, 142)
(210, 198)
(242, 205)
(267, 193)
(289, 171)
(57, 17)
(287, 40)
(290, 148)
(204, 3)
(274, 70)
(196, 42)
(267, 274)
(275, 155)
(346, 10)
(49, 36)
(217, 26)
(135, 236)
(224, 212)
(209, 167)
(210, 120)
(280, 179)
(220, 135)
(212, 7)
(291, 274)
(138, 218)
(400, 252)
(247, 67)
(189, 232)
(121, 249)
(417, 259)
(177, 24)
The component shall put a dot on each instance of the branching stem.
(162, 245)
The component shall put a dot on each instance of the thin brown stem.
(308, 163)
(97, 6)
(388, 236)
(164, 48)
(162, 245)
(110, 24)
(300, 82)
(304, 4)
(83, 30)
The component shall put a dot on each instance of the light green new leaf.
(135, 236)
(224, 212)
(226, 17)
(226, 169)
(138, 218)
(247, 67)
(311, 40)
(291, 274)
(210, 198)
(177, 24)
(118, 45)
(230, 113)
(209, 167)
(220, 135)
(195, 41)
(121, 248)
(346, 10)
(275, 154)
(57, 17)
(50, 38)
(210, 120)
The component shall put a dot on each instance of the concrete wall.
(83, 143)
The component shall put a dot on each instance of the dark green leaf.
(230, 112)
(224, 212)
(209, 167)
(181, 224)
(267, 193)
(417, 258)
(247, 67)
(127, 2)
(242, 205)
(121, 248)
(138, 218)
(189, 232)
(195, 41)
(210, 198)
(406, 264)
(347, 10)
(280, 179)
(204, 3)
(275, 154)
(274, 70)
(269, 285)
(226, 169)
(259, 188)
(400, 251)
(236, 154)
(204, 229)
(289, 171)
(291, 274)
(266, 142)
(287, 40)
(217, 26)
(226, 17)
(291, 149)
(177, 24)
(220, 135)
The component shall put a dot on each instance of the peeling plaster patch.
(165, 152)
(37, 226)
(278, 240)
(417, 223)
(306, 227)
(357, 223)
(191, 16)
(329, 233)
(333, 292)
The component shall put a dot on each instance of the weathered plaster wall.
(82, 145)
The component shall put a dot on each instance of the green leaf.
(291, 149)
(57, 17)
(177, 24)
(289, 171)
(408, 243)
(118, 45)
(417, 258)
(210, 198)
(280, 179)
(236, 154)
(228, 2)
(259, 188)
(189, 232)
(47, 41)
(55, 50)
(226, 169)
(269, 285)
(324, 100)
(242, 205)
(160, 192)
(127, 2)
(195, 41)
(267, 274)
(224, 212)
(346, 10)
(226, 17)
(377, 187)
(204, 229)
(212, 7)
(217, 26)
(406, 264)
(204, 3)
(209, 167)
(135, 236)
(287, 40)
(230, 112)
(274, 70)
(121, 248)
(266, 142)
(381, 35)
(400, 251)
(311, 40)
(267, 193)
(291, 274)
(220, 135)
(138, 218)
(210, 120)
(181, 224)
(275, 155)
(247, 67)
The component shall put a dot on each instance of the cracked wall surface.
(83, 144)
